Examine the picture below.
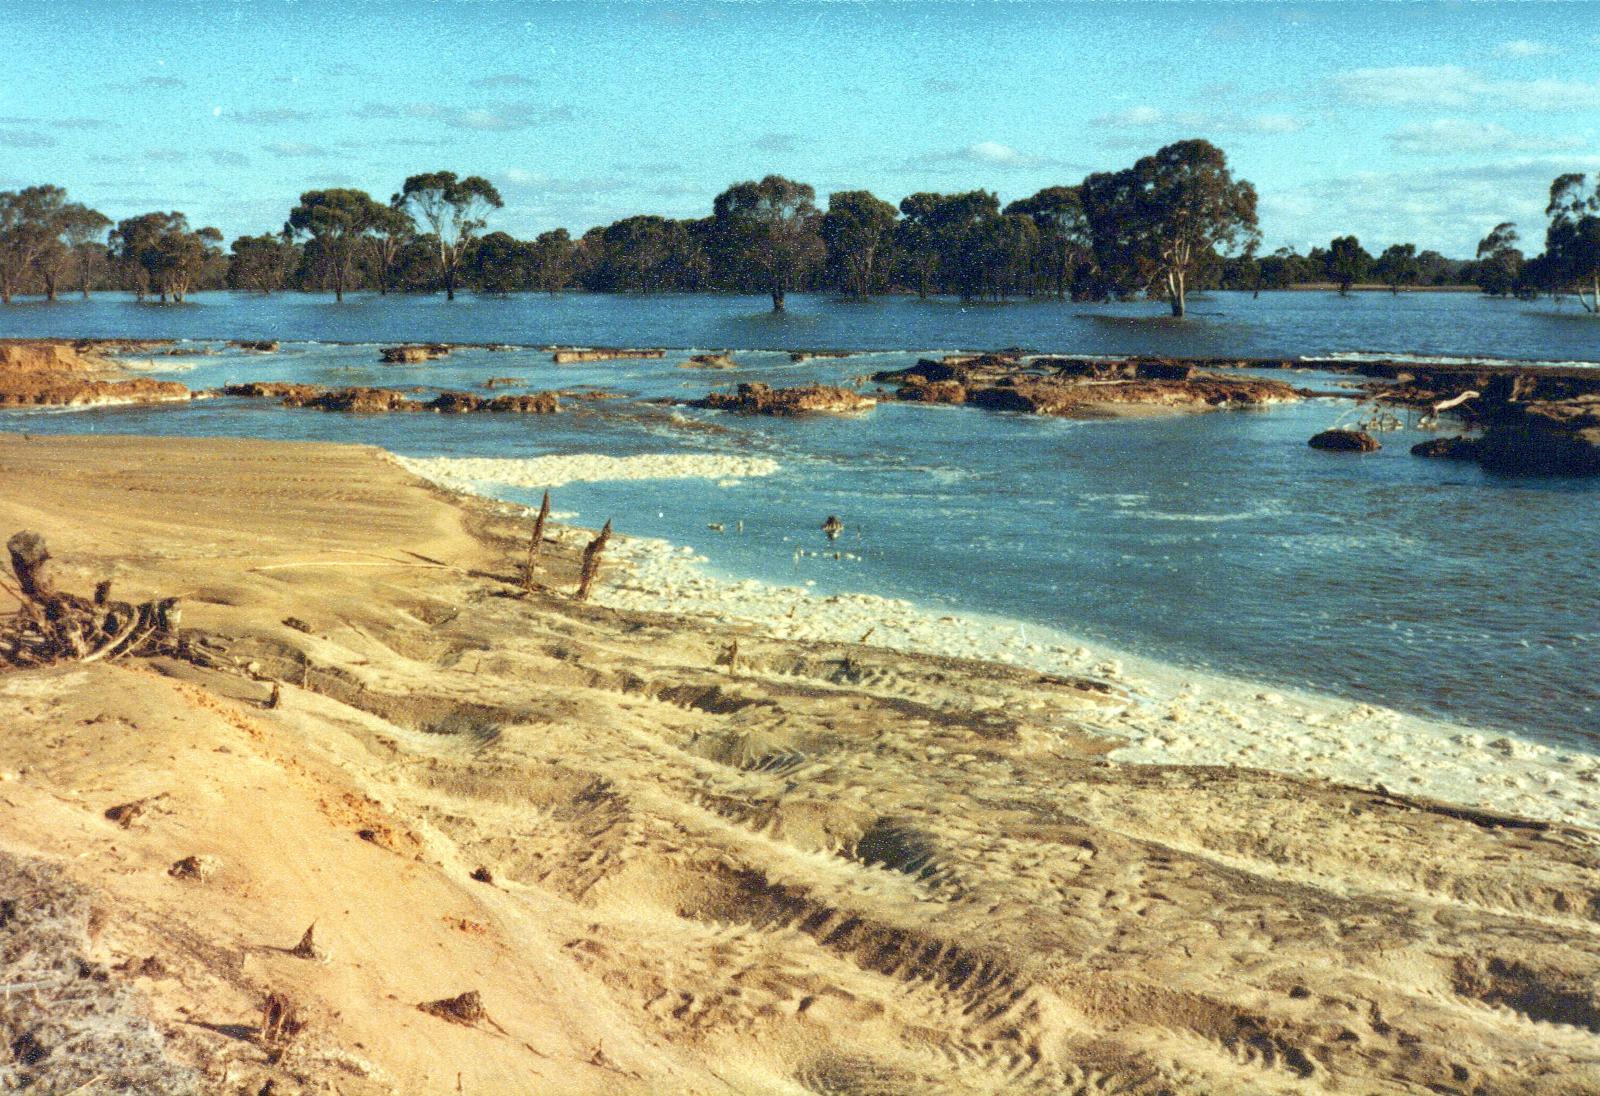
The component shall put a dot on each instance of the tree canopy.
(1152, 225)
(768, 233)
(455, 210)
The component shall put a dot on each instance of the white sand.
(1173, 715)
(467, 473)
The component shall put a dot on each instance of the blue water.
(1217, 541)
(1220, 324)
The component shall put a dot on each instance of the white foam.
(468, 473)
(1174, 715)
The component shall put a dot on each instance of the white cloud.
(1524, 47)
(1456, 88)
(1148, 117)
(295, 149)
(982, 153)
(1451, 136)
(1447, 208)
(500, 118)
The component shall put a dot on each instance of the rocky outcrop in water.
(1345, 441)
(1075, 387)
(570, 355)
(762, 399)
(711, 361)
(1447, 449)
(414, 354)
(70, 392)
(59, 373)
(256, 346)
(386, 400)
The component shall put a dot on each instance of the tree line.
(1173, 222)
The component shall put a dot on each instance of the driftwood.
(536, 543)
(591, 562)
(54, 626)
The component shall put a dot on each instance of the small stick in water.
(833, 527)
(591, 562)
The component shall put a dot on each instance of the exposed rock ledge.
(62, 373)
(762, 399)
(568, 355)
(1073, 387)
(388, 399)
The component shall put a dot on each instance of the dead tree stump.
(30, 561)
(536, 544)
(591, 562)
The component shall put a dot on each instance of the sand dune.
(825, 868)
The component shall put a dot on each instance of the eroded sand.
(830, 868)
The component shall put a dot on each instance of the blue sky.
(1418, 121)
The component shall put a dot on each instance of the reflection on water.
(1217, 540)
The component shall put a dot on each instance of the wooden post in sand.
(591, 562)
(537, 543)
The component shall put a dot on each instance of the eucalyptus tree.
(160, 252)
(455, 210)
(262, 263)
(1397, 266)
(1500, 261)
(499, 264)
(1064, 242)
(963, 227)
(916, 239)
(1346, 262)
(392, 231)
(856, 227)
(1155, 224)
(1572, 241)
(641, 254)
(83, 232)
(338, 223)
(767, 234)
(551, 260)
(29, 227)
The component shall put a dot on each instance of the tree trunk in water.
(449, 285)
(777, 299)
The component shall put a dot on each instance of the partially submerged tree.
(637, 254)
(29, 227)
(551, 260)
(1500, 261)
(1154, 224)
(262, 264)
(337, 222)
(857, 226)
(159, 252)
(1346, 262)
(1064, 243)
(499, 264)
(392, 229)
(455, 210)
(1572, 242)
(767, 232)
(1397, 266)
(83, 231)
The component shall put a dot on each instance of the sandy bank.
(672, 866)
